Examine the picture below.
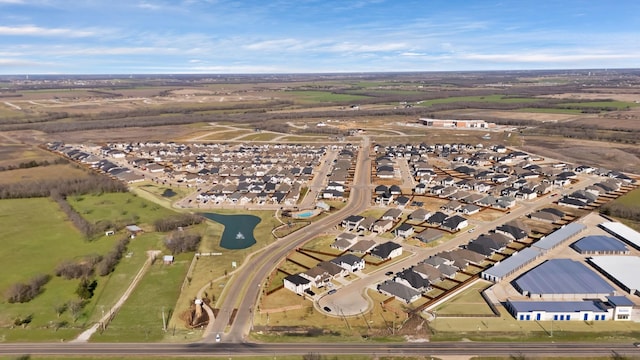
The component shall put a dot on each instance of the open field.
(321, 96)
(68, 171)
(124, 208)
(623, 157)
(467, 302)
(13, 153)
(47, 241)
(140, 319)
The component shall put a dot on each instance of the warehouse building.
(617, 308)
(563, 279)
(622, 270)
(600, 245)
(622, 232)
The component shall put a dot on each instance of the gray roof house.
(350, 262)
(411, 278)
(387, 250)
(399, 291)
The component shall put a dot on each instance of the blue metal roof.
(558, 236)
(620, 300)
(555, 306)
(512, 263)
(562, 276)
(599, 243)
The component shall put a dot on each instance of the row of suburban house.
(324, 272)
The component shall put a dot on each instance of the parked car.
(308, 291)
(217, 337)
(332, 291)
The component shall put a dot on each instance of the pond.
(168, 193)
(238, 229)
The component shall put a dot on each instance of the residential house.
(512, 232)
(363, 246)
(428, 272)
(437, 218)
(399, 291)
(404, 230)
(297, 283)
(419, 214)
(412, 279)
(388, 250)
(382, 226)
(470, 209)
(428, 235)
(454, 223)
(351, 222)
(461, 258)
(392, 214)
(367, 224)
(350, 262)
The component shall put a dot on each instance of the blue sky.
(293, 36)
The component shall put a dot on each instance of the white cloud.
(280, 44)
(546, 57)
(19, 63)
(11, 2)
(32, 30)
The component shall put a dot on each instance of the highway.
(243, 291)
(421, 349)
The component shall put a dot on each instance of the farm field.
(46, 241)
(40, 173)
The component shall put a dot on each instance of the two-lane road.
(537, 349)
(244, 289)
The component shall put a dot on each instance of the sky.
(314, 36)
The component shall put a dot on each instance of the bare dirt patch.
(517, 115)
(611, 156)
(596, 96)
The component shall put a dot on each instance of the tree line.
(33, 164)
(177, 221)
(91, 183)
(621, 211)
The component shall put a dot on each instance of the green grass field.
(481, 99)
(36, 245)
(46, 241)
(120, 208)
(323, 96)
(140, 319)
(631, 198)
(620, 105)
(550, 111)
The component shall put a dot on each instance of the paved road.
(243, 291)
(372, 349)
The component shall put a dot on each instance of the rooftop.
(562, 276)
(623, 268)
(599, 243)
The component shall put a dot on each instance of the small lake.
(168, 193)
(238, 229)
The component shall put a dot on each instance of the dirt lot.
(607, 94)
(611, 156)
(480, 113)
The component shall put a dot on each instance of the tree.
(60, 309)
(86, 288)
(180, 241)
(75, 307)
